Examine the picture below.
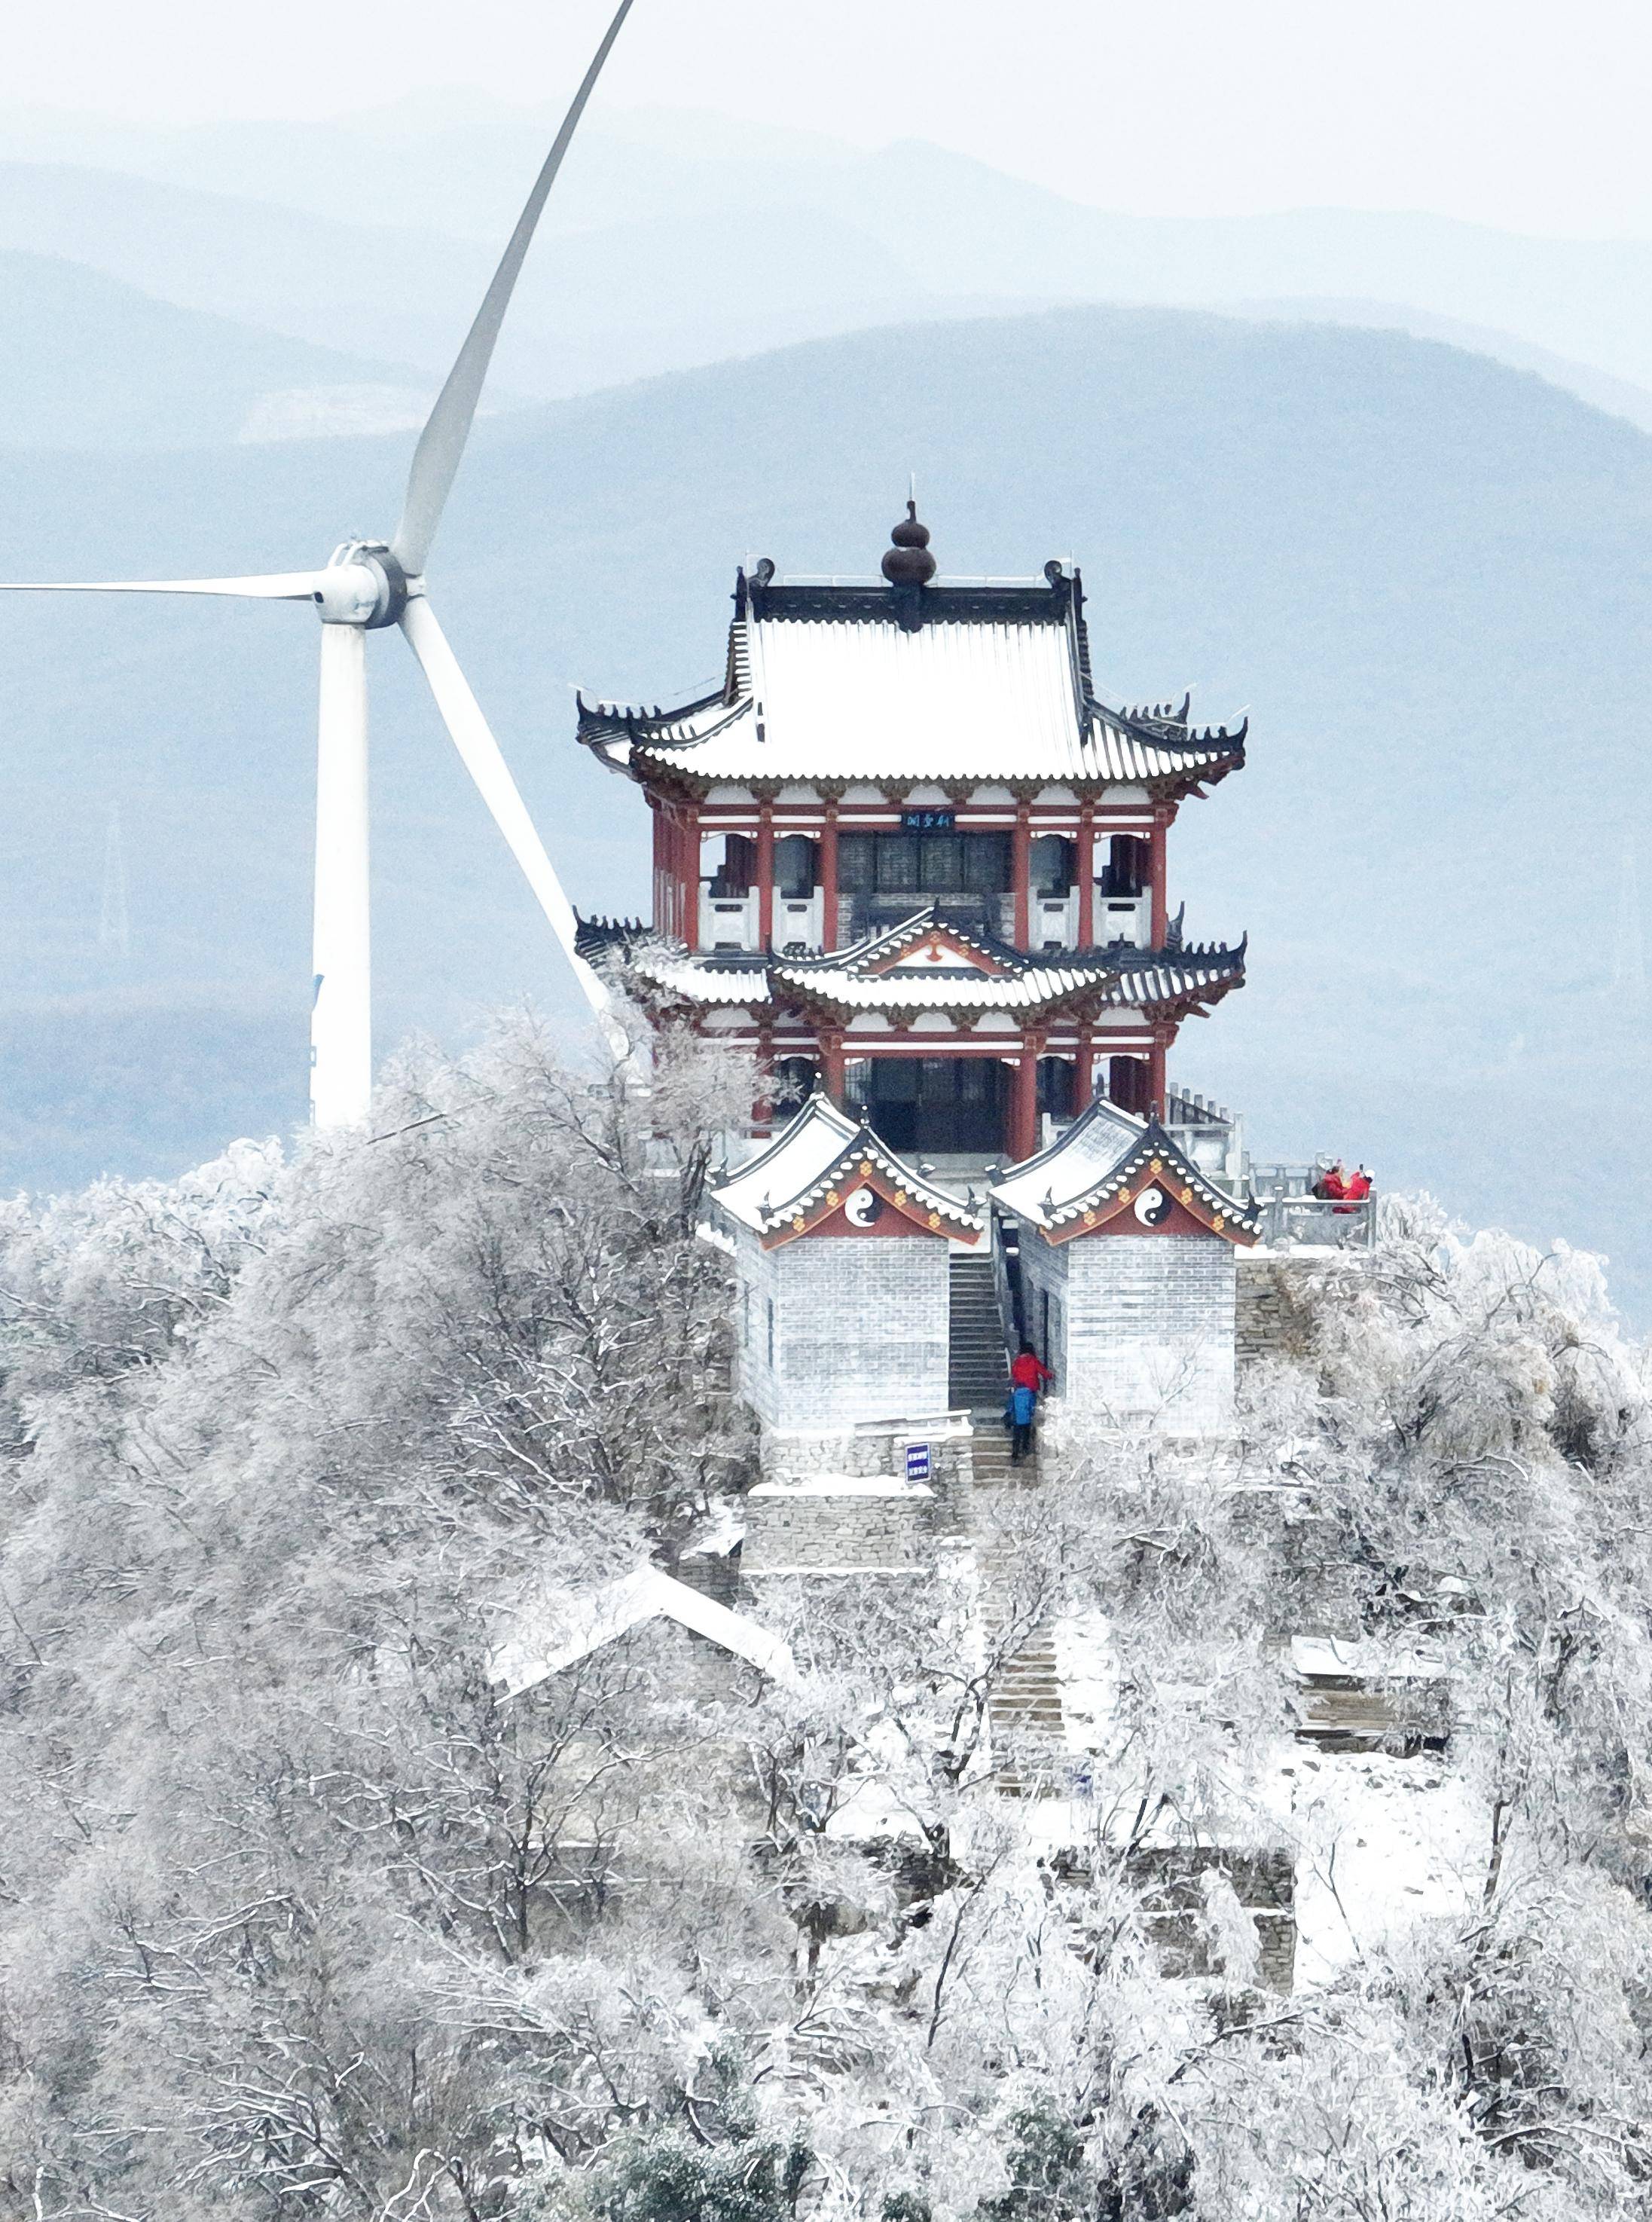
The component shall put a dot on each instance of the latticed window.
(924, 863)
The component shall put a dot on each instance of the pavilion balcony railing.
(1293, 1216)
(1215, 1146)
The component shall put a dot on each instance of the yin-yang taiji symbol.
(1153, 1207)
(862, 1207)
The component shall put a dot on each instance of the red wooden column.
(691, 876)
(828, 878)
(831, 1066)
(1023, 1107)
(1161, 917)
(1021, 873)
(661, 864)
(1156, 1058)
(765, 873)
(1084, 1078)
(1086, 874)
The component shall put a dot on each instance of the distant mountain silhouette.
(1425, 575)
(88, 363)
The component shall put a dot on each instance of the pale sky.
(1524, 113)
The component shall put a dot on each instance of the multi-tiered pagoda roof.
(905, 849)
(928, 964)
(960, 682)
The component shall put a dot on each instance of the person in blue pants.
(1023, 1402)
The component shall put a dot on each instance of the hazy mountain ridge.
(673, 242)
(658, 193)
(86, 362)
(1424, 574)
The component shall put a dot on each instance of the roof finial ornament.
(907, 561)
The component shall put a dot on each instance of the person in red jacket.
(1027, 1375)
(1029, 1370)
(1357, 1190)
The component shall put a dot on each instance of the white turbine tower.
(366, 585)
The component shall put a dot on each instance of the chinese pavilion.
(905, 852)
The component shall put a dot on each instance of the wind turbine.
(366, 585)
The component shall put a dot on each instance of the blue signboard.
(928, 821)
(917, 1461)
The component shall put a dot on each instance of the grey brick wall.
(1144, 1328)
(1043, 1298)
(836, 1331)
(1173, 1899)
(1168, 1880)
(810, 1525)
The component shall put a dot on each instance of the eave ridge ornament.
(1158, 726)
(601, 724)
(889, 942)
(598, 936)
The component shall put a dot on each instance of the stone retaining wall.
(1275, 1299)
(877, 1454)
(838, 1523)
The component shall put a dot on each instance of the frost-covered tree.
(300, 1917)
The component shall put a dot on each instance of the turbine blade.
(462, 715)
(275, 586)
(442, 443)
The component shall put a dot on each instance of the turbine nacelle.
(363, 585)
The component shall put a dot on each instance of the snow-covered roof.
(803, 1149)
(1106, 1162)
(958, 680)
(1072, 1164)
(1135, 987)
(970, 972)
(817, 1163)
(565, 1628)
(1363, 1658)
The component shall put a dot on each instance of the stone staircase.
(975, 1380)
(1029, 1734)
